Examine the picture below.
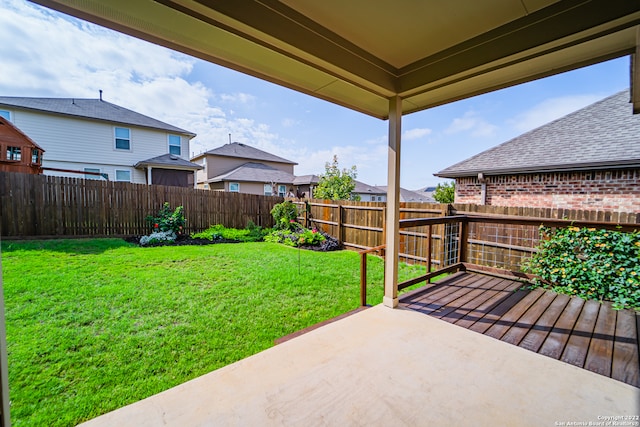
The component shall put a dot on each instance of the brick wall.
(612, 190)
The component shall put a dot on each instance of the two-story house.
(237, 167)
(93, 138)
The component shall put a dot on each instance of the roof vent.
(173, 157)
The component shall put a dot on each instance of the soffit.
(358, 55)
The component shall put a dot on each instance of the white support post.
(195, 179)
(149, 175)
(390, 298)
(5, 420)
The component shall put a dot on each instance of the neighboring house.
(240, 168)
(411, 196)
(303, 186)
(589, 159)
(369, 193)
(18, 152)
(104, 139)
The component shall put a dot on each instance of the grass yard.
(93, 325)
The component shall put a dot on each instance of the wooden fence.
(46, 206)
(360, 226)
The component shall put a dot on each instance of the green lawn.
(93, 325)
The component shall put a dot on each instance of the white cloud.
(474, 125)
(289, 122)
(415, 133)
(238, 98)
(551, 109)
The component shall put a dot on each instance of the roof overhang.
(352, 54)
(575, 167)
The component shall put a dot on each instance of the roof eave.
(621, 164)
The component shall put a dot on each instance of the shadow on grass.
(73, 246)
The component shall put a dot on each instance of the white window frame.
(282, 190)
(115, 139)
(122, 180)
(268, 190)
(7, 115)
(169, 137)
(97, 170)
(232, 184)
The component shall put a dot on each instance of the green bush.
(299, 236)
(168, 219)
(252, 233)
(285, 215)
(589, 263)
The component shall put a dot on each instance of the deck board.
(586, 334)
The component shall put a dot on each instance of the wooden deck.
(586, 334)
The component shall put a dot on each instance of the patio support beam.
(392, 226)
(5, 420)
(149, 175)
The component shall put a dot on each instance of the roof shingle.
(90, 108)
(604, 134)
(237, 149)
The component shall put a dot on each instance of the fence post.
(340, 228)
(462, 235)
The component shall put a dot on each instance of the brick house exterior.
(589, 159)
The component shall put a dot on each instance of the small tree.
(445, 193)
(336, 184)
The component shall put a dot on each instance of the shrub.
(158, 237)
(167, 219)
(590, 263)
(299, 236)
(284, 215)
(252, 233)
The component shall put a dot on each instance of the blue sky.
(44, 53)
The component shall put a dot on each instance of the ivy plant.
(589, 263)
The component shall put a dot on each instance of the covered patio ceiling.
(359, 53)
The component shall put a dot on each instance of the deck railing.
(495, 244)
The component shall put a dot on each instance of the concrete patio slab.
(391, 367)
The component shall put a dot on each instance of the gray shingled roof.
(92, 109)
(306, 180)
(411, 196)
(255, 172)
(604, 134)
(170, 160)
(244, 151)
(362, 188)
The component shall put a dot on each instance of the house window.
(123, 175)
(123, 139)
(174, 145)
(6, 114)
(87, 176)
(36, 156)
(234, 187)
(206, 186)
(282, 190)
(14, 153)
(268, 190)
(379, 198)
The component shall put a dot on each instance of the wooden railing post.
(363, 279)
(429, 251)
(463, 236)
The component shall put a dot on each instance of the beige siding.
(75, 143)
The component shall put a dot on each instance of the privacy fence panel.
(47, 206)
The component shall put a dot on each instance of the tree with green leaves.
(336, 184)
(445, 193)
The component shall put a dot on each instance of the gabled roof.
(603, 135)
(255, 172)
(411, 196)
(96, 109)
(306, 180)
(362, 188)
(11, 134)
(244, 151)
(168, 161)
